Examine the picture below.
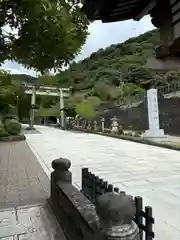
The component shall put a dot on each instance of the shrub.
(9, 117)
(12, 126)
(3, 132)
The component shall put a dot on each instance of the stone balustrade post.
(84, 123)
(116, 212)
(78, 123)
(95, 125)
(61, 173)
(89, 126)
(114, 125)
(102, 124)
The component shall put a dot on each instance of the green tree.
(86, 110)
(47, 79)
(44, 34)
(12, 96)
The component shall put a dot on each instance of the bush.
(9, 117)
(12, 126)
(3, 132)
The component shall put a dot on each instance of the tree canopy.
(44, 34)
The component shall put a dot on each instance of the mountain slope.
(121, 62)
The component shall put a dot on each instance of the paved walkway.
(151, 172)
(22, 179)
(34, 222)
(24, 189)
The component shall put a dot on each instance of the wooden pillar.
(169, 25)
(175, 12)
(164, 23)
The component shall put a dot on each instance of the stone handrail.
(111, 218)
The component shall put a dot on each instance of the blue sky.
(101, 35)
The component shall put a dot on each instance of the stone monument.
(154, 131)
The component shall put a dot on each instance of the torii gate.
(165, 16)
(47, 91)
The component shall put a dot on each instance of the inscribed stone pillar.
(153, 116)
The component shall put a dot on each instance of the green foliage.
(3, 132)
(48, 112)
(88, 107)
(48, 34)
(107, 76)
(85, 110)
(47, 79)
(9, 117)
(12, 126)
(5, 78)
(11, 94)
(105, 70)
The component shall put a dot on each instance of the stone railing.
(93, 186)
(113, 127)
(110, 218)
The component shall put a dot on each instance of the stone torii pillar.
(33, 102)
(61, 101)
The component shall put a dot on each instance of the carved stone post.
(102, 124)
(116, 213)
(61, 173)
(115, 125)
(89, 127)
(95, 125)
(84, 122)
(77, 122)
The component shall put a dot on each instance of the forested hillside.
(24, 77)
(121, 63)
(117, 64)
(107, 76)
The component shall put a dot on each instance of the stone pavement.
(29, 223)
(22, 179)
(23, 183)
(138, 169)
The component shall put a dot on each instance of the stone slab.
(34, 222)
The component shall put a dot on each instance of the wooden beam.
(146, 10)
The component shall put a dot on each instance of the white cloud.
(15, 68)
(101, 35)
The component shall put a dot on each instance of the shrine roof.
(116, 10)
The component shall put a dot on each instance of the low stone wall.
(111, 217)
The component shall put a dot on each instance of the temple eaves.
(117, 10)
